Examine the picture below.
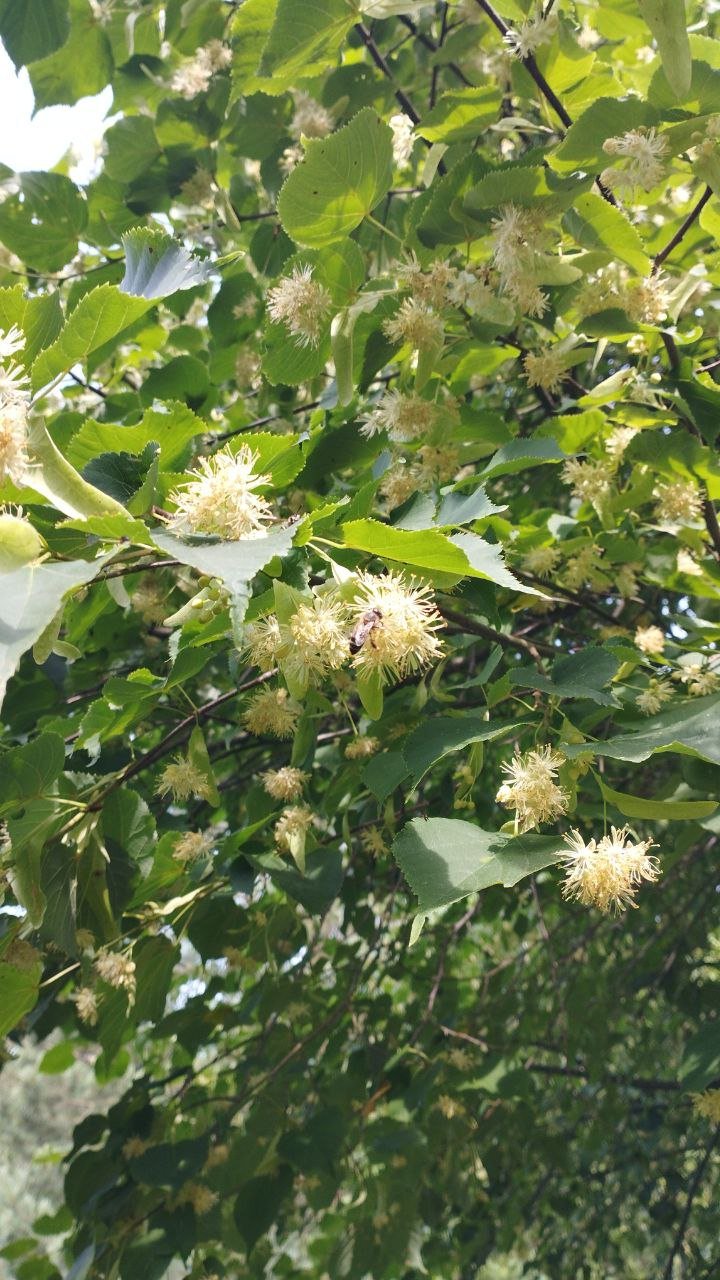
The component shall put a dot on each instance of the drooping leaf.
(156, 266)
(445, 859)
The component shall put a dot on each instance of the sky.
(28, 143)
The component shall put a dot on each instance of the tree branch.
(682, 231)
(382, 65)
(692, 1192)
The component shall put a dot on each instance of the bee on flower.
(399, 622)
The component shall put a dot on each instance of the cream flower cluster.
(678, 502)
(532, 34)
(221, 500)
(393, 621)
(272, 712)
(194, 76)
(14, 404)
(284, 784)
(403, 139)
(532, 789)
(517, 240)
(301, 304)
(181, 779)
(310, 119)
(644, 150)
(403, 417)
(607, 873)
(416, 325)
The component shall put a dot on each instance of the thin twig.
(692, 1192)
(682, 231)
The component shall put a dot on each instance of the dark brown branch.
(692, 1192)
(529, 64)
(431, 45)
(382, 65)
(172, 739)
(508, 641)
(682, 231)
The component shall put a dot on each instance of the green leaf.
(18, 994)
(31, 596)
(440, 736)
(384, 773)
(580, 675)
(444, 859)
(668, 23)
(157, 266)
(172, 426)
(303, 41)
(518, 455)
(52, 475)
(595, 224)
(131, 146)
(700, 1064)
(461, 114)
(169, 1164)
(30, 29)
(427, 549)
(658, 810)
(235, 563)
(340, 181)
(316, 888)
(582, 146)
(43, 221)
(691, 729)
(80, 69)
(30, 770)
(155, 959)
(100, 316)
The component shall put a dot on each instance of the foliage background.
(395, 1049)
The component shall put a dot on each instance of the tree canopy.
(359, 621)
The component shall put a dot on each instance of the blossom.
(198, 189)
(86, 1005)
(707, 1105)
(678, 502)
(699, 678)
(687, 564)
(284, 784)
(399, 482)
(644, 150)
(193, 845)
(217, 1155)
(182, 779)
(438, 462)
(546, 368)
(516, 240)
(148, 599)
(650, 640)
(607, 873)
(290, 158)
(373, 842)
(247, 368)
(14, 381)
(584, 569)
(449, 1107)
(402, 140)
(626, 579)
(532, 790)
(311, 119)
(194, 76)
(292, 827)
(200, 1198)
(646, 301)
(403, 637)
(471, 292)
(301, 304)
(133, 1147)
(12, 340)
(590, 481)
(654, 697)
(221, 499)
(264, 641)
(532, 34)
(272, 711)
(403, 417)
(432, 285)
(118, 971)
(618, 441)
(414, 324)
(13, 440)
(317, 640)
(541, 560)
(361, 747)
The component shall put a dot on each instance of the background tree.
(359, 616)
